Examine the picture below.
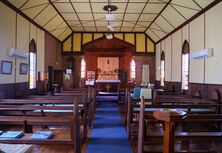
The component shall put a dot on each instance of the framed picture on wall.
(6, 67)
(23, 68)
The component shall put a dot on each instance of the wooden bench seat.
(29, 121)
(144, 136)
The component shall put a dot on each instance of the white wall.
(176, 56)
(7, 39)
(168, 59)
(203, 32)
(213, 65)
(16, 32)
(197, 43)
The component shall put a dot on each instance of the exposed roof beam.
(76, 15)
(140, 15)
(197, 4)
(124, 14)
(159, 14)
(33, 6)
(23, 4)
(60, 14)
(178, 12)
(92, 13)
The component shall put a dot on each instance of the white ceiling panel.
(131, 17)
(172, 16)
(77, 28)
(65, 34)
(187, 3)
(126, 29)
(187, 13)
(58, 32)
(89, 23)
(153, 36)
(98, 7)
(164, 24)
(34, 3)
(145, 24)
(70, 16)
(128, 24)
(153, 8)
(85, 16)
(99, 16)
(73, 23)
(121, 7)
(122, 1)
(91, 28)
(101, 29)
(147, 17)
(82, 7)
(139, 28)
(136, 15)
(55, 22)
(100, 23)
(135, 7)
(118, 16)
(45, 15)
(34, 11)
(160, 34)
(64, 7)
(204, 3)
(157, 28)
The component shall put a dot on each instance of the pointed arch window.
(32, 65)
(162, 69)
(133, 69)
(185, 66)
(83, 68)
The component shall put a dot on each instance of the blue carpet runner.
(108, 134)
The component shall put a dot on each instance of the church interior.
(110, 76)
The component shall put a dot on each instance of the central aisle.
(108, 134)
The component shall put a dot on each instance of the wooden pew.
(47, 102)
(90, 105)
(175, 100)
(28, 121)
(182, 136)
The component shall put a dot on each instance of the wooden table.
(170, 116)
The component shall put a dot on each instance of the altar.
(108, 86)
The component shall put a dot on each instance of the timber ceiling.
(156, 18)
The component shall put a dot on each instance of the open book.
(11, 134)
(42, 135)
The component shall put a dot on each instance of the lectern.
(170, 117)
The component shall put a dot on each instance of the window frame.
(32, 49)
(162, 59)
(133, 71)
(83, 71)
(185, 50)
